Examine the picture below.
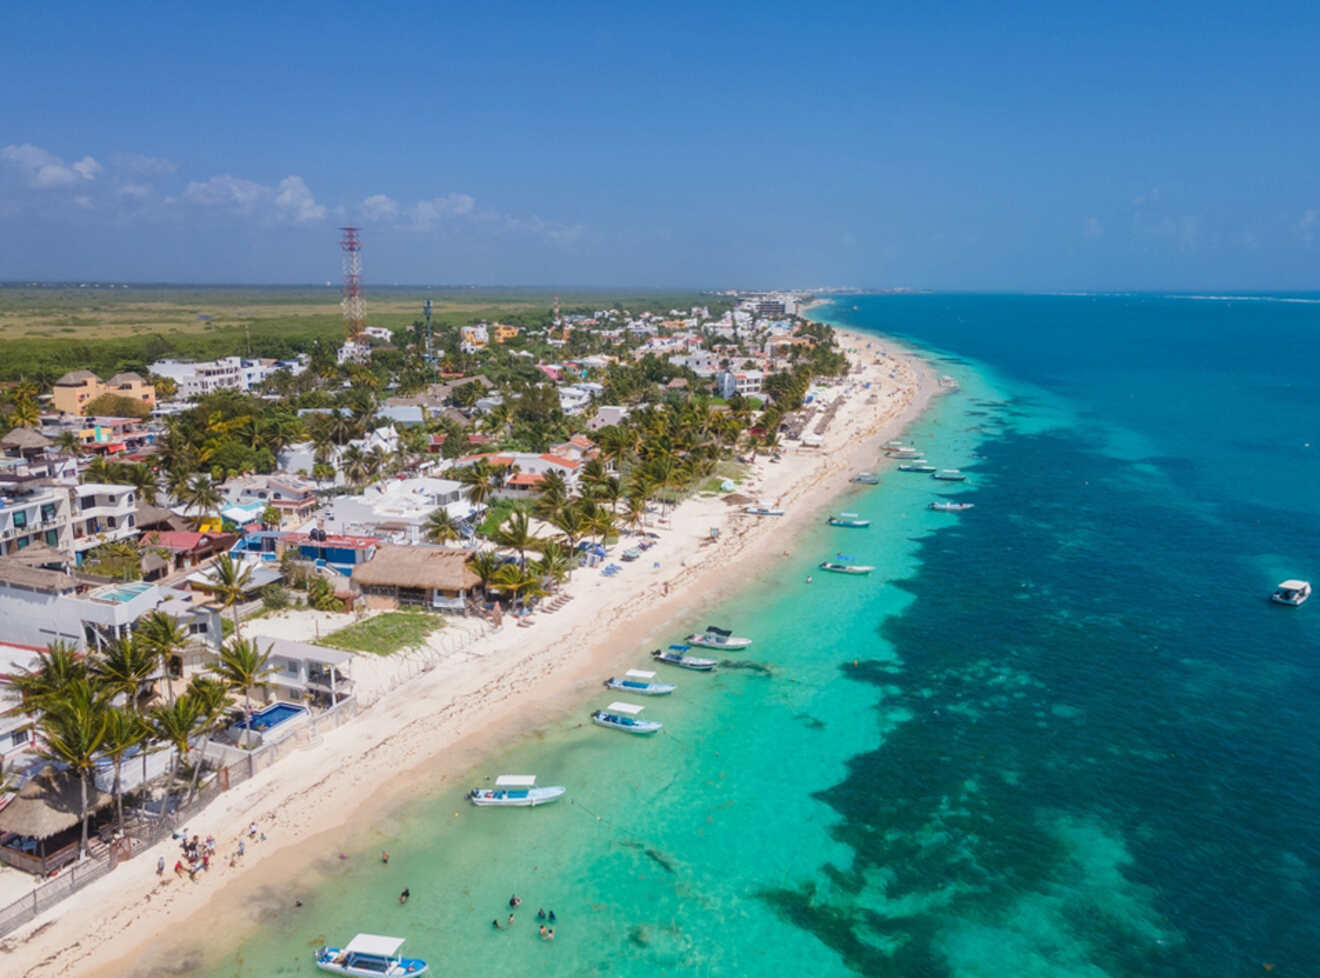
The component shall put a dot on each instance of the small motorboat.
(840, 567)
(851, 520)
(1293, 593)
(867, 478)
(623, 716)
(677, 655)
(369, 954)
(947, 507)
(516, 791)
(920, 465)
(639, 681)
(717, 638)
(948, 475)
(762, 511)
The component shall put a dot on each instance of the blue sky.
(957, 146)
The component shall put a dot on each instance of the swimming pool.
(266, 720)
(123, 593)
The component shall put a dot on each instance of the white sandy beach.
(470, 699)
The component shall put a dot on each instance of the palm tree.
(125, 730)
(141, 477)
(374, 463)
(68, 442)
(212, 698)
(243, 667)
(73, 728)
(551, 496)
(634, 515)
(556, 561)
(163, 636)
(517, 581)
(571, 521)
(25, 414)
(353, 462)
(57, 667)
(175, 723)
(229, 583)
(516, 534)
(441, 527)
(485, 564)
(593, 474)
(124, 665)
(480, 480)
(202, 497)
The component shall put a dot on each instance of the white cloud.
(85, 202)
(88, 168)
(379, 207)
(144, 166)
(137, 191)
(427, 213)
(239, 195)
(295, 201)
(291, 200)
(43, 170)
(1094, 229)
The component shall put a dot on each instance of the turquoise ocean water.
(1063, 734)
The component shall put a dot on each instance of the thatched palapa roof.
(420, 567)
(25, 439)
(48, 804)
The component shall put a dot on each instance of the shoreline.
(322, 798)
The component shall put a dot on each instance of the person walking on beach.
(160, 866)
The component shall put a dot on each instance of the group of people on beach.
(546, 932)
(195, 854)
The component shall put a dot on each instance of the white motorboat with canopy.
(677, 655)
(373, 955)
(717, 638)
(639, 681)
(515, 790)
(624, 716)
(1292, 593)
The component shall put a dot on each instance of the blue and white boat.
(840, 567)
(677, 655)
(623, 716)
(1294, 593)
(918, 465)
(948, 475)
(369, 955)
(717, 638)
(639, 681)
(947, 507)
(515, 791)
(850, 520)
(867, 478)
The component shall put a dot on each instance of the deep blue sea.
(1062, 734)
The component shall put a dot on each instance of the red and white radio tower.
(353, 303)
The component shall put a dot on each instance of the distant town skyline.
(1029, 148)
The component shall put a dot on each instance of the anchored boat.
(677, 655)
(851, 520)
(1292, 593)
(867, 478)
(639, 681)
(949, 475)
(623, 716)
(838, 567)
(369, 954)
(516, 791)
(717, 638)
(945, 507)
(920, 465)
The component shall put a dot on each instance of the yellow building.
(78, 388)
(500, 332)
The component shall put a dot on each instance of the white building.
(35, 514)
(382, 333)
(745, 382)
(199, 379)
(15, 728)
(397, 509)
(103, 513)
(39, 606)
(354, 351)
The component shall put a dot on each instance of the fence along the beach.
(146, 832)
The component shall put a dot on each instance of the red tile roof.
(559, 460)
(526, 479)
